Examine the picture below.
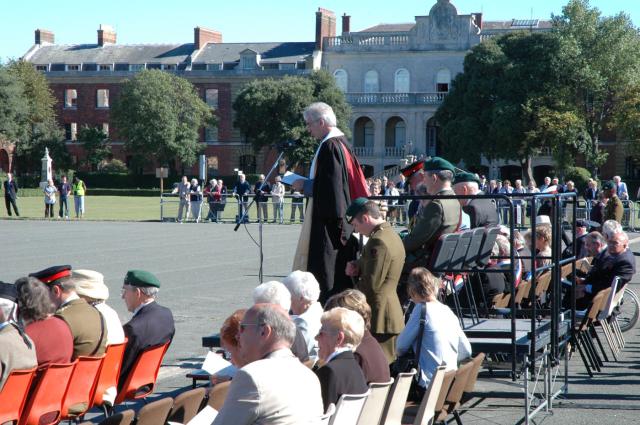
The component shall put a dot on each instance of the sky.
(170, 21)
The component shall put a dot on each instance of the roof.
(112, 53)
(390, 27)
(278, 52)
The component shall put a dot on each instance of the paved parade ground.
(208, 270)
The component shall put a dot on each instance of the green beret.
(465, 177)
(436, 164)
(141, 278)
(608, 185)
(355, 208)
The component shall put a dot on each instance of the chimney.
(45, 37)
(477, 17)
(202, 36)
(346, 24)
(325, 26)
(106, 35)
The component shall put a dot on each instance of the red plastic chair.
(141, 380)
(109, 373)
(14, 394)
(82, 386)
(45, 401)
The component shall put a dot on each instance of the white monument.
(45, 173)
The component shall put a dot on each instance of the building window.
(71, 131)
(402, 81)
(395, 133)
(106, 67)
(342, 79)
(70, 98)
(371, 82)
(364, 133)
(211, 134)
(214, 66)
(136, 67)
(105, 128)
(102, 98)
(169, 67)
(443, 79)
(73, 67)
(248, 62)
(287, 66)
(41, 68)
(211, 97)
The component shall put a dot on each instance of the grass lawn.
(127, 208)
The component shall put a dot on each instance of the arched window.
(364, 132)
(371, 82)
(395, 133)
(402, 81)
(443, 79)
(341, 77)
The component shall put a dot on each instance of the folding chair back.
(218, 394)
(348, 409)
(443, 252)
(374, 406)
(123, 418)
(141, 380)
(82, 387)
(447, 380)
(155, 412)
(501, 300)
(394, 407)
(47, 396)
(457, 388)
(602, 297)
(565, 271)
(324, 419)
(522, 292)
(109, 373)
(426, 411)
(473, 253)
(475, 370)
(542, 283)
(187, 405)
(489, 239)
(608, 306)
(14, 394)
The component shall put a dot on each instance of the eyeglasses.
(126, 288)
(243, 326)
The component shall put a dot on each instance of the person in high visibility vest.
(79, 190)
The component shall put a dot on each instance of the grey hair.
(501, 247)
(302, 285)
(149, 291)
(610, 228)
(320, 111)
(596, 237)
(277, 319)
(349, 322)
(444, 175)
(272, 292)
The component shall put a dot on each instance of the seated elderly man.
(482, 212)
(618, 260)
(151, 324)
(17, 351)
(341, 332)
(87, 325)
(306, 309)
(274, 292)
(273, 387)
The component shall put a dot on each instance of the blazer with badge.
(482, 212)
(87, 325)
(606, 267)
(277, 389)
(380, 269)
(341, 375)
(152, 325)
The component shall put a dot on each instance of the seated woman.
(229, 333)
(306, 309)
(50, 334)
(543, 245)
(443, 341)
(340, 334)
(369, 354)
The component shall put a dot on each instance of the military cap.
(355, 208)
(52, 274)
(581, 223)
(436, 164)
(8, 291)
(141, 278)
(608, 185)
(465, 177)
(411, 169)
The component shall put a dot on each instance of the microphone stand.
(246, 212)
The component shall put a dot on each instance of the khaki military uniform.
(614, 209)
(87, 326)
(438, 217)
(380, 269)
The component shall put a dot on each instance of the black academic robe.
(331, 197)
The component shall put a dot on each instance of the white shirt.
(115, 333)
(309, 325)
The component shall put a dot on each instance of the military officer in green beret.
(379, 269)
(436, 217)
(614, 209)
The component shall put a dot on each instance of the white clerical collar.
(142, 305)
(71, 297)
(338, 351)
(334, 132)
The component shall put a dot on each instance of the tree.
(40, 126)
(603, 56)
(96, 145)
(269, 111)
(14, 108)
(510, 103)
(159, 115)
